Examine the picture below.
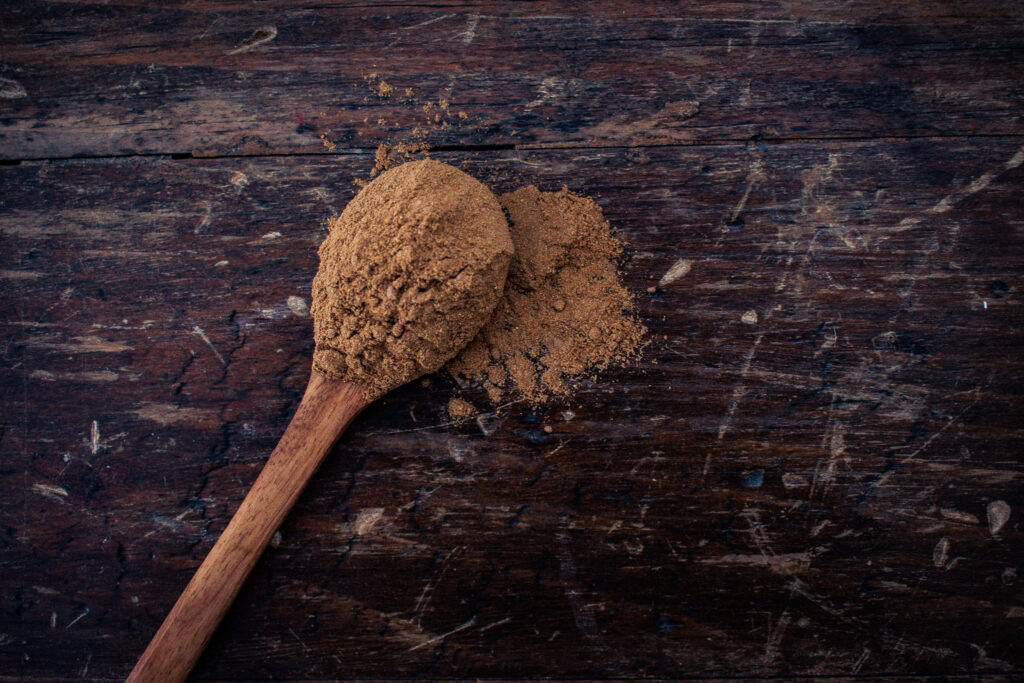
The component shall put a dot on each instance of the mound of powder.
(564, 312)
(409, 272)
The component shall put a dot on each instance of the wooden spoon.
(450, 219)
(326, 409)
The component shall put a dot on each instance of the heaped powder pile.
(564, 312)
(409, 272)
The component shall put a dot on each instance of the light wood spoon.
(326, 409)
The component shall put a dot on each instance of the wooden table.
(814, 471)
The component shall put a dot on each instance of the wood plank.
(228, 79)
(806, 475)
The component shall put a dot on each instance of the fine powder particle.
(409, 272)
(459, 409)
(564, 312)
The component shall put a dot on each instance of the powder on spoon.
(564, 312)
(409, 272)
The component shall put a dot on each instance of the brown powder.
(388, 156)
(564, 312)
(459, 409)
(409, 272)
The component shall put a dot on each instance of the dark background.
(808, 474)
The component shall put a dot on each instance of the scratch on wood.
(737, 395)
(494, 624)
(205, 219)
(755, 175)
(85, 669)
(298, 306)
(94, 437)
(973, 187)
(676, 271)
(469, 34)
(77, 619)
(295, 635)
(443, 635)
(548, 91)
(11, 89)
(366, 520)
(950, 421)
(788, 563)
(775, 635)
(263, 34)
(168, 414)
(202, 335)
(20, 275)
(998, 513)
(958, 516)
(791, 480)
(859, 664)
(81, 344)
(57, 492)
(91, 376)
(428, 22)
(940, 554)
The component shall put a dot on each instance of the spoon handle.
(327, 407)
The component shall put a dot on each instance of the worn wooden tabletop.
(814, 471)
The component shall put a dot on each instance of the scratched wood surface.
(814, 471)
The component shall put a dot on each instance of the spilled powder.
(388, 156)
(459, 409)
(409, 272)
(564, 313)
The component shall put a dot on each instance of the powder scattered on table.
(389, 156)
(459, 409)
(564, 313)
(409, 272)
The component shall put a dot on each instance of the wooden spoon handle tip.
(327, 407)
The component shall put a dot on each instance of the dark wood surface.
(814, 471)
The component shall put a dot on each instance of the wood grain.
(208, 79)
(814, 471)
(779, 497)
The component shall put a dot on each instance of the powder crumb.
(408, 92)
(331, 147)
(409, 272)
(564, 313)
(384, 89)
(460, 410)
(463, 115)
(388, 156)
